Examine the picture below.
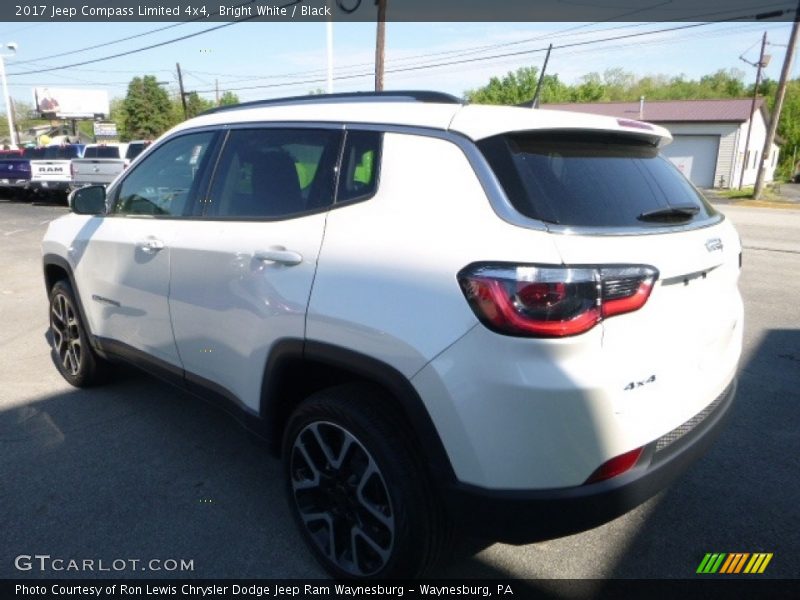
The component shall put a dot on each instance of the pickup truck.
(53, 174)
(15, 172)
(101, 163)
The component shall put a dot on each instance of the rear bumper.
(15, 183)
(51, 186)
(522, 516)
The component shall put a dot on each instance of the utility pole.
(776, 111)
(535, 101)
(752, 108)
(216, 91)
(380, 43)
(183, 94)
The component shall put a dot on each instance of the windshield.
(592, 179)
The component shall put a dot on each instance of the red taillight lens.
(539, 301)
(616, 466)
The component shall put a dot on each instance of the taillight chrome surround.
(553, 300)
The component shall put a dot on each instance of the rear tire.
(358, 488)
(72, 353)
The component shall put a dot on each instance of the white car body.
(379, 278)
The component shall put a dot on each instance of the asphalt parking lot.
(138, 470)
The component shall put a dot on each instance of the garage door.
(695, 156)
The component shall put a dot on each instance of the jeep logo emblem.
(714, 244)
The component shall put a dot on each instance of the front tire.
(71, 350)
(358, 488)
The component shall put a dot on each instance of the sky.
(267, 60)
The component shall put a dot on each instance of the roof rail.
(392, 96)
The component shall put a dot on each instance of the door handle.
(150, 245)
(280, 255)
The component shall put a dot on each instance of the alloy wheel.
(342, 498)
(66, 334)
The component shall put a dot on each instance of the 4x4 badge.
(714, 244)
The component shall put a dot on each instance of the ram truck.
(53, 174)
(101, 163)
(15, 172)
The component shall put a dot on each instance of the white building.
(709, 136)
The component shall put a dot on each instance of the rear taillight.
(546, 301)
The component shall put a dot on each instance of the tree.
(515, 88)
(195, 104)
(228, 98)
(146, 109)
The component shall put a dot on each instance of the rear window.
(591, 180)
(135, 149)
(61, 152)
(34, 153)
(102, 152)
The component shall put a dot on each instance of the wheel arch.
(56, 268)
(296, 368)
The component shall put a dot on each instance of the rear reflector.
(553, 301)
(616, 466)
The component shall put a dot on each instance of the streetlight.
(11, 134)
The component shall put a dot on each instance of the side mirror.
(89, 200)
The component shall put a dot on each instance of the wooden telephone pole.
(745, 158)
(776, 111)
(183, 94)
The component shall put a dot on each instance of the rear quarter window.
(589, 179)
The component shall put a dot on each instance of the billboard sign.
(105, 130)
(63, 103)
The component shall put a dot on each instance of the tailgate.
(96, 170)
(677, 353)
(50, 170)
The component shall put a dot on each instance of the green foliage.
(515, 88)
(195, 104)
(618, 85)
(228, 98)
(146, 110)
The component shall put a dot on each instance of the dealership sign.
(71, 104)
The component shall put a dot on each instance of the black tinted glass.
(102, 152)
(134, 150)
(163, 183)
(590, 179)
(360, 165)
(274, 173)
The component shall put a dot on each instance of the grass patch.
(768, 195)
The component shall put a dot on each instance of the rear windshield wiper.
(681, 212)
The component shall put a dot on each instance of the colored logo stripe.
(711, 563)
(758, 563)
(734, 563)
(724, 563)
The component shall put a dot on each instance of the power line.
(125, 39)
(158, 45)
(476, 49)
(485, 58)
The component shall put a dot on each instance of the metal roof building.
(708, 136)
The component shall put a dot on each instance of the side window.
(163, 184)
(274, 173)
(360, 166)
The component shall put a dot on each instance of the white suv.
(524, 322)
